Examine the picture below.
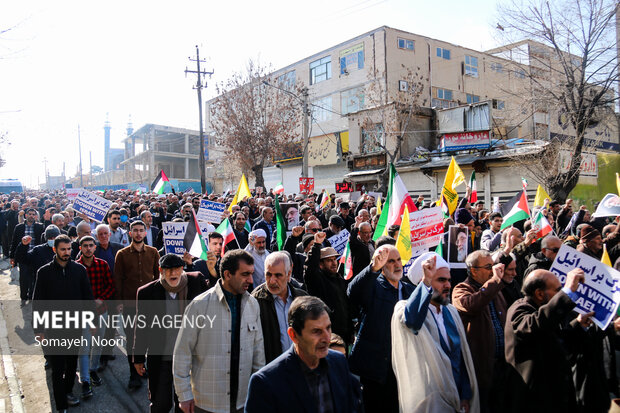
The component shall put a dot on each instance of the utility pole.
(80, 149)
(199, 86)
(306, 128)
(90, 155)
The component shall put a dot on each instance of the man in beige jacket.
(220, 344)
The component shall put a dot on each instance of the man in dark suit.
(361, 244)
(309, 377)
(536, 343)
(275, 297)
(33, 230)
(151, 231)
(168, 297)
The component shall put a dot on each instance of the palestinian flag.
(394, 206)
(280, 226)
(279, 189)
(194, 243)
(226, 230)
(347, 261)
(474, 188)
(542, 225)
(158, 184)
(515, 210)
(247, 226)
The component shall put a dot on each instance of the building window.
(473, 98)
(352, 59)
(287, 80)
(443, 53)
(442, 98)
(352, 100)
(471, 66)
(497, 67)
(444, 94)
(322, 109)
(520, 74)
(372, 139)
(405, 44)
(321, 70)
(498, 104)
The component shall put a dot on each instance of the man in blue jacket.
(309, 377)
(376, 290)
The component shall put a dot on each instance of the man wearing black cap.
(590, 242)
(349, 221)
(165, 298)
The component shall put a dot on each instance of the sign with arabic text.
(174, 232)
(91, 205)
(589, 163)
(426, 228)
(339, 241)
(306, 185)
(600, 292)
(342, 187)
(210, 211)
(466, 140)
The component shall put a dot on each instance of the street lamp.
(306, 126)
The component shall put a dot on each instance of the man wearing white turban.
(430, 356)
(258, 249)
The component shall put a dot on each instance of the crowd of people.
(286, 332)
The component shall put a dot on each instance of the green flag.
(280, 226)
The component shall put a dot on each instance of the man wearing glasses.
(542, 260)
(483, 311)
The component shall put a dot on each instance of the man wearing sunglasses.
(482, 308)
(542, 260)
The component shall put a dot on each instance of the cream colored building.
(354, 84)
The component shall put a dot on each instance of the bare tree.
(252, 120)
(569, 59)
(387, 123)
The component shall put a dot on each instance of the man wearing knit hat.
(590, 242)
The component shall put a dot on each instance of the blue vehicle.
(10, 185)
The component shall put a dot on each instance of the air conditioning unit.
(403, 86)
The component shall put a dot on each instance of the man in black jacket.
(322, 280)
(31, 231)
(275, 297)
(165, 297)
(542, 260)
(361, 244)
(62, 281)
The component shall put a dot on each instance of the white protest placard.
(210, 211)
(72, 193)
(600, 292)
(91, 205)
(174, 232)
(339, 241)
(426, 228)
(608, 207)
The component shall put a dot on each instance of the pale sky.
(66, 63)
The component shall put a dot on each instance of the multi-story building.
(385, 90)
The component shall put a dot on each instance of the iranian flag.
(324, 200)
(226, 230)
(194, 242)
(542, 225)
(394, 206)
(158, 184)
(515, 210)
(347, 260)
(474, 188)
(279, 189)
(280, 225)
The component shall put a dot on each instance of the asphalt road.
(25, 385)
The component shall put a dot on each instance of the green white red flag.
(541, 225)
(474, 188)
(279, 189)
(347, 260)
(394, 206)
(226, 230)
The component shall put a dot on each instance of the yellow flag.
(454, 177)
(605, 258)
(618, 182)
(242, 190)
(378, 204)
(541, 195)
(403, 243)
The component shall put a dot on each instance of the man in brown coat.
(482, 308)
(135, 266)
